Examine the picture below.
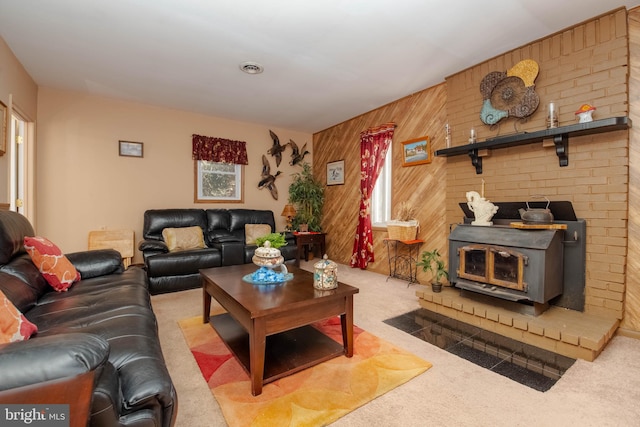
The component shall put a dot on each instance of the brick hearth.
(563, 331)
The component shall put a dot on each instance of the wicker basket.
(402, 230)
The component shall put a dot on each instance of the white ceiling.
(325, 61)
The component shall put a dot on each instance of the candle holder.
(552, 116)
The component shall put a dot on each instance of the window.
(218, 182)
(381, 197)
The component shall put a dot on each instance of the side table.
(303, 240)
(403, 256)
(120, 240)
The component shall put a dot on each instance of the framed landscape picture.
(416, 151)
(335, 173)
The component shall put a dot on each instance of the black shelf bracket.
(559, 135)
(562, 148)
(476, 161)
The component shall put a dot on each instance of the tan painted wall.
(83, 184)
(17, 90)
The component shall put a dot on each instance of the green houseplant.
(432, 261)
(276, 240)
(307, 194)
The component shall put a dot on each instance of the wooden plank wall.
(421, 114)
(631, 320)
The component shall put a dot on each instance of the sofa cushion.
(54, 266)
(253, 231)
(13, 325)
(180, 239)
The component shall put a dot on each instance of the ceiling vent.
(251, 67)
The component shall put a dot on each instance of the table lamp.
(289, 212)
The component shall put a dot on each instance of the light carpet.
(315, 396)
(454, 392)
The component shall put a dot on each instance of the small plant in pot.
(432, 261)
(276, 240)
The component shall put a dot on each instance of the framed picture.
(3, 129)
(416, 151)
(335, 173)
(130, 149)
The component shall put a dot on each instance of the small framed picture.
(335, 173)
(416, 151)
(131, 149)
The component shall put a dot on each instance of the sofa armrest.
(40, 360)
(226, 239)
(96, 263)
(157, 246)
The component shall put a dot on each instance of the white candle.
(472, 136)
(482, 195)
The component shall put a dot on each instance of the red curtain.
(374, 143)
(219, 150)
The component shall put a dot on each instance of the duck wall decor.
(276, 148)
(297, 155)
(268, 180)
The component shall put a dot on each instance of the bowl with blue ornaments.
(272, 270)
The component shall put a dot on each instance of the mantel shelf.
(560, 136)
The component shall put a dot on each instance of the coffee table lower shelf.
(286, 352)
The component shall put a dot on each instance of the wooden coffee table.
(267, 327)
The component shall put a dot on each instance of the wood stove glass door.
(473, 263)
(507, 268)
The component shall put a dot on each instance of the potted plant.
(432, 261)
(404, 226)
(307, 194)
(276, 240)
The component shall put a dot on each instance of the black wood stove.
(531, 266)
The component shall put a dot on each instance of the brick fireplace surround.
(588, 63)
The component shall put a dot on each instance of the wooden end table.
(303, 240)
(267, 327)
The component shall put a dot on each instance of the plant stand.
(403, 256)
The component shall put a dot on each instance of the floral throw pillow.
(13, 325)
(54, 266)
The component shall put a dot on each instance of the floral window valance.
(219, 150)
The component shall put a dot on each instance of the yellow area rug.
(316, 396)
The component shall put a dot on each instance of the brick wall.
(584, 64)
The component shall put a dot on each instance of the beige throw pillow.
(180, 239)
(253, 231)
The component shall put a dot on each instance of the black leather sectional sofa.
(102, 326)
(224, 237)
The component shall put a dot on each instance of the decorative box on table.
(325, 274)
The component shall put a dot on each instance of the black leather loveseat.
(102, 326)
(224, 240)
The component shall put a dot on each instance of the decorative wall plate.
(511, 93)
